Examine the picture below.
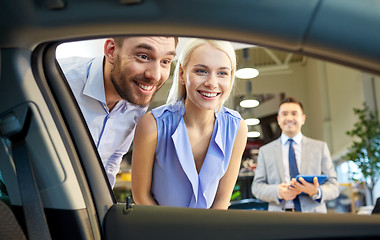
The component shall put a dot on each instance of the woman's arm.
(228, 181)
(144, 147)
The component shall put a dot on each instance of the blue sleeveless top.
(175, 180)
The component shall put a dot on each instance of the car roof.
(344, 31)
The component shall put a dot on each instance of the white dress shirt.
(285, 158)
(113, 131)
(297, 146)
(285, 153)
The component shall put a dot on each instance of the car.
(55, 183)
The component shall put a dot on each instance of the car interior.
(53, 185)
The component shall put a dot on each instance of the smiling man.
(113, 91)
(294, 154)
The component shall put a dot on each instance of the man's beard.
(127, 94)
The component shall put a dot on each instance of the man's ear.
(303, 119)
(109, 50)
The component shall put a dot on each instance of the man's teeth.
(209, 94)
(145, 87)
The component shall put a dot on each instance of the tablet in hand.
(309, 178)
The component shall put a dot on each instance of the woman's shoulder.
(230, 112)
(146, 123)
(165, 110)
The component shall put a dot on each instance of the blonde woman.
(187, 153)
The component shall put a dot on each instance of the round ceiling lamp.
(249, 103)
(252, 121)
(247, 73)
(253, 134)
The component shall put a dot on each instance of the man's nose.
(289, 117)
(153, 72)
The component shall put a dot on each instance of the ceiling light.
(247, 73)
(252, 121)
(249, 103)
(253, 134)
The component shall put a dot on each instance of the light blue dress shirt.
(175, 180)
(112, 131)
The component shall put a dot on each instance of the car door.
(30, 115)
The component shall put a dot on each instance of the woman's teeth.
(210, 95)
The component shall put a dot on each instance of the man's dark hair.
(291, 100)
(119, 40)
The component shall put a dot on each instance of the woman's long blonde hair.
(178, 91)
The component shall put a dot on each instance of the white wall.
(89, 48)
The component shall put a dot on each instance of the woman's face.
(207, 77)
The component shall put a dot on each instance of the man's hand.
(302, 186)
(287, 192)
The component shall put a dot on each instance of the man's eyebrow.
(150, 48)
(145, 46)
(173, 53)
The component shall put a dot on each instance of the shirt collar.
(94, 86)
(297, 138)
(213, 160)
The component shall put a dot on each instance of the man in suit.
(280, 160)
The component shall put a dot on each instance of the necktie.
(293, 170)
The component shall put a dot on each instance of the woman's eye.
(201, 71)
(223, 73)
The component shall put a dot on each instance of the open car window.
(329, 92)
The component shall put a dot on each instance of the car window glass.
(329, 92)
